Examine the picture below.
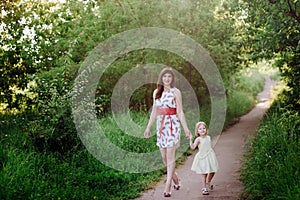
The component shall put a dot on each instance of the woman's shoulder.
(176, 90)
(154, 93)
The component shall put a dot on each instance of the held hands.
(188, 134)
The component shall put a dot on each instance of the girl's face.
(167, 79)
(201, 130)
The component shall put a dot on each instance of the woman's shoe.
(205, 191)
(176, 187)
(167, 194)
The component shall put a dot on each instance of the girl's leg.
(204, 176)
(204, 189)
(210, 177)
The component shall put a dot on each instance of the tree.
(26, 47)
(273, 33)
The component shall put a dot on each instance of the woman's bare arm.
(152, 117)
(180, 112)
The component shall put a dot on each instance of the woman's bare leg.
(170, 164)
(175, 178)
(163, 152)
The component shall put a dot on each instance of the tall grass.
(271, 169)
(30, 174)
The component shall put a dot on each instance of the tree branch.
(293, 12)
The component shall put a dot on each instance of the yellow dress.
(205, 161)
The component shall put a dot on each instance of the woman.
(168, 112)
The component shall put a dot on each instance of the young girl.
(205, 161)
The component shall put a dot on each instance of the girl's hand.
(146, 133)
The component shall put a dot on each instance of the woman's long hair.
(160, 85)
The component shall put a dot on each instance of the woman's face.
(167, 79)
(202, 130)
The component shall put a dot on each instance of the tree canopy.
(41, 39)
(273, 33)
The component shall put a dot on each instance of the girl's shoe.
(205, 191)
(167, 194)
(209, 186)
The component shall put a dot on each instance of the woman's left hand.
(187, 134)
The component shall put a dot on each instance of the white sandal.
(209, 186)
(205, 191)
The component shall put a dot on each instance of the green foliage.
(53, 128)
(26, 46)
(71, 32)
(271, 167)
(273, 33)
(243, 91)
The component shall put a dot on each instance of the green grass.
(271, 167)
(28, 175)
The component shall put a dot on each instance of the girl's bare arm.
(195, 144)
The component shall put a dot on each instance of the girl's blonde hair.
(197, 126)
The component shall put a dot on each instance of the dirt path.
(229, 149)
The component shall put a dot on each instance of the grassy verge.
(271, 167)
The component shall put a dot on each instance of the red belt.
(164, 112)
